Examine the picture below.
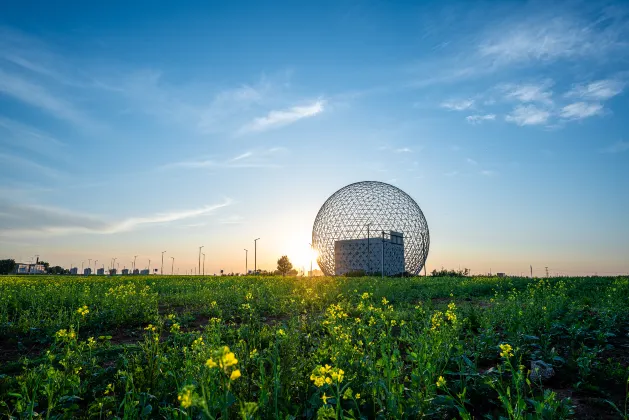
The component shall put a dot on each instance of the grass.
(273, 347)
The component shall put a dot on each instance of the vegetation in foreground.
(281, 347)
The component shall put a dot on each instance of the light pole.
(82, 262)
(172, 267)
(162, 272)
(134, 257)
(255, 256)
(113, 263)
(96, 265)
(246, 255)
(204, 263)
(89, 263)
(200, 258)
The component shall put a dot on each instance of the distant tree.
(284, 265)
(56, 270)
(7, 266)
(45, 264)
(450, 273)
(293, 272)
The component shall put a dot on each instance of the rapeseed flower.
(234, 375)
(441, 382)
(506, 350)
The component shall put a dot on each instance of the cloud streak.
(458, 105)
(249, 159)
(581, 110)
(528, 115)
(478, 119)
(26, 219)
(280, 118)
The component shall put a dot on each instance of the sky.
(132, 128)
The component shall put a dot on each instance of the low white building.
(30, 268)
(365, 254)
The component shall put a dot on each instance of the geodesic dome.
(346, 214)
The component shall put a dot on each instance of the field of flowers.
(272, 347)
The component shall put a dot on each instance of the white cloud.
(403, 150)
(250, 159)
(471, 161)
(458, 105)
(37, 96)
(232, 220)
(599, 90)
(26, 219)
(618, 147)
(279, 118)
(477, 119)
(529, 92)
(553, 35)
(488, 172)
(528, 115)
(581, 110)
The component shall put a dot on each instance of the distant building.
(125, 271)
(112, 272)
(30, 268)
(136, 271)
(145, 272)
(87, 271)
(356, 255)
(74, 271)
(100, 271)
(500, 274)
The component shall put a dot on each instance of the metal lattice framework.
(346, 214)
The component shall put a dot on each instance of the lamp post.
(204, 263)
(200, 258)
(246, 255)
(96, 265)
(172, 267)
(89, 263)
(134, 257)
(310, 259)
(162, 270)
(149, 266)
(82, 262)
(255, 255)
(113, 263)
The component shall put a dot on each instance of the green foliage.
(7, 266)
(284, 266)
(279, 347)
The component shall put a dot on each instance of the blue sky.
(138, 127)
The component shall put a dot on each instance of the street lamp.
(172, 267)
(246, 255)
(204, 263)
(96, 265)
(200, 258)
(162, 272)
(310, 259)
(255, 255)
(368, 254)
(134, 257)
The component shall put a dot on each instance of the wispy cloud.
(553, 35)
(234, 219)
(599, 90)
(403, 150)
(452, 173)
(471, 161)
(581, 110)
(39, 97)
(27, 219)
(528, 93)
(528, 115)
(488, 172)
(458, 105)
(17, 163)
(618, 147)
(250, 159)
(477, 119)
(280, 118)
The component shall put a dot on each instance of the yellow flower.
(235, 375)
(324, 398)
(185, 397)
(357, 396)
(281, 333)
(441, 382)
(506, 350)
(210, 363)
(365, 296)
(384, 301)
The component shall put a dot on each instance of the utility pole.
(89, 263)
(531, 270)
(113, 263)
(134, 257)
(172, 267)
(204, 263)
(149, 266)
(255, 256)
(200, 258)
(546, 272)
(162, 270)
(96, 265)
(246, 265)
(82, 262)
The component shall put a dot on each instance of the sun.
(301, 256)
